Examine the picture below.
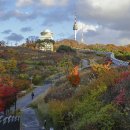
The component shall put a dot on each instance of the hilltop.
(71, 43)
(95, 97)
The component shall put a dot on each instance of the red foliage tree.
(7, 97)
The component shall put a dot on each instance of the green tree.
(64, 48)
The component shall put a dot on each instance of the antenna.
(82, 37)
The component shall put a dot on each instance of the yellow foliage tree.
(100, 68)
(11, 65)
(2, 68)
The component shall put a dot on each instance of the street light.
(15, 103)
(31, 78)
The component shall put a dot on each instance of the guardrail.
(9, 123)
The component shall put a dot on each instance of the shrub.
(61, 113)
(92, 112)
(64, 48)
(59, 93)
(24, 76)
(21, 84)
(37, 79)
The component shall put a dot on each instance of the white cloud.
(102, 36)
(124, 41)
(111, 9)
(54, 2)
(48, 3)
(21, 3)
(103, 20)
(86, 27)
(106, 19)
(113, 14)
(105, 9)
(110, 5)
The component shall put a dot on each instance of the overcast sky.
(103, 21)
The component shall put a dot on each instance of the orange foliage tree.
(74, 76)
(6, 81)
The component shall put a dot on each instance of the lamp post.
(31, 78)
(15, 103)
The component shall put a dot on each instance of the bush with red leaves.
(120, 99)
(123, 76)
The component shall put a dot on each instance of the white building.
(46, 41)
(47, 34)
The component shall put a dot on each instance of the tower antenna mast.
(82, 37)
(75, 27)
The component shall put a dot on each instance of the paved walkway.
(85, 64)
(27, 99)
(29, 120)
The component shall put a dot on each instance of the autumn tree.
(7, 97)
(11, 65)
(2, 68)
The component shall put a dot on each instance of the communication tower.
(75, 28)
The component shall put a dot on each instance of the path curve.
(26, 100)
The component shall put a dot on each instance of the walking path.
(85, 64)
(27, 99)
(29, 120)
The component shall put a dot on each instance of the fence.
(114, 60)
(9, 123)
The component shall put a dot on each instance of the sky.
(101, 21)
